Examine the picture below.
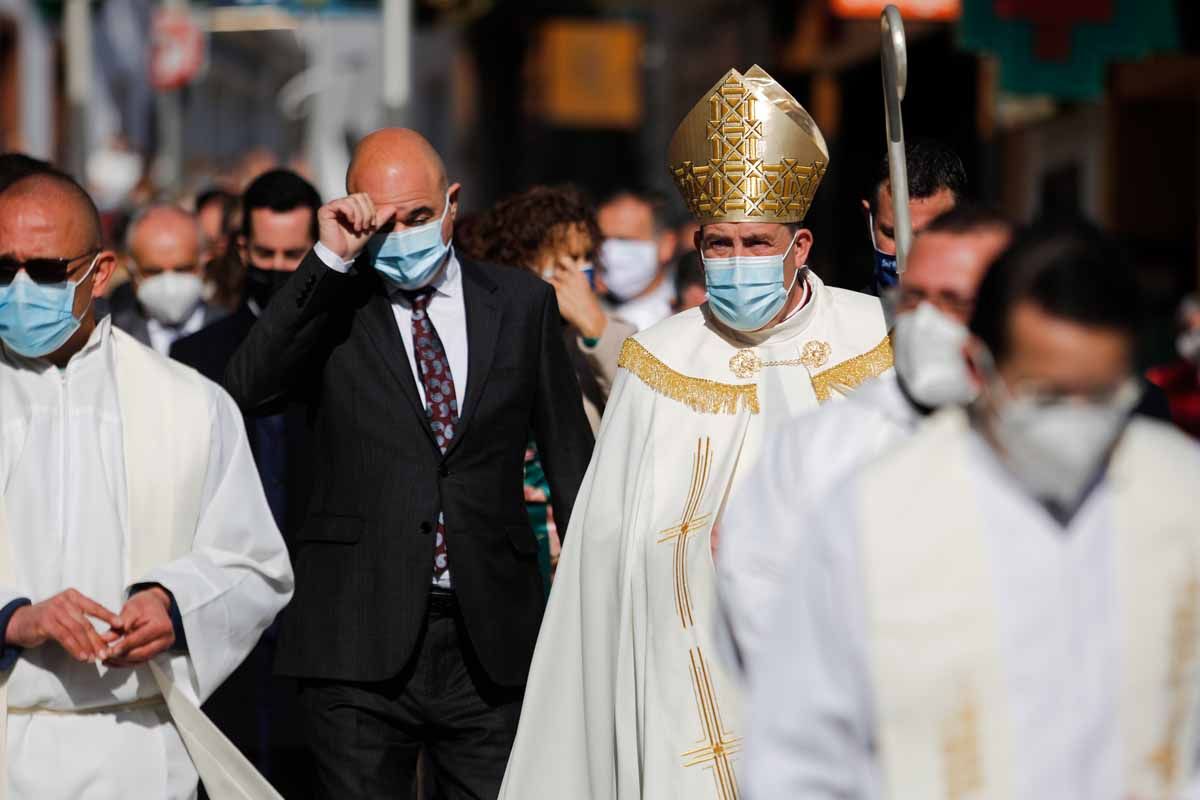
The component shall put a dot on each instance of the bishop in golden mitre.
(627, 696)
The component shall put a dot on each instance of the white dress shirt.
(811, 730)
(649, 309)
(447, 311)
(163, 336)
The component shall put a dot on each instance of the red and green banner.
(1062, 47)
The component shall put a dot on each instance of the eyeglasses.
(41, 270)
(1124, 395)
(907, 299)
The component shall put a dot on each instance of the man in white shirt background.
(636, 257)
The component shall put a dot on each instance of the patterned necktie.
(441, 403)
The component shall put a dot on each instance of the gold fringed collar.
(699, 394)
(853, 372)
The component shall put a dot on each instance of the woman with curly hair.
(552, 232)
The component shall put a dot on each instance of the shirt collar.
(448, 282)
(193, 322)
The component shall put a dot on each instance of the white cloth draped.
(807, 459)
(813, 717)
(63, 475)
(626, 697)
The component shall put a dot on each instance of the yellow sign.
(588, 74)
(937, 10)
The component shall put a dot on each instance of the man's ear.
(802, 247)
(866, 207)
(453, 192)
(698, 239)
(106, 264)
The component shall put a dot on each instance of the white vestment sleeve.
(238, 575)
(810, 731)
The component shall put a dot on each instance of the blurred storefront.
(1079, 106)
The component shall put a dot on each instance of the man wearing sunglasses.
(1008, 604)
(164, 245)
(810, 458)
(139, 560)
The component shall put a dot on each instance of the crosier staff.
(895, 78)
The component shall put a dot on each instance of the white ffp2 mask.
(929, 357)
(630, 266)
(170, 297)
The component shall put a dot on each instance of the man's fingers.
(67, 639)
(94, 609)
(99, 648)
(368, 209)
(346, 212)
(383, 215)
(143, 635)
(147, 651)
(363, 212)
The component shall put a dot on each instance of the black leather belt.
(442, 601)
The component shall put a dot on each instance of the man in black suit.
(418, 595)
(279, 226)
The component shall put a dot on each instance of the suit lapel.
(380, 323)
(483, 326)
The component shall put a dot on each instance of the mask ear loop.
(77, 283)
(800, 268)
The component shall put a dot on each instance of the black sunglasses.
(40, 270)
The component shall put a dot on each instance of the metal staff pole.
(895, 79)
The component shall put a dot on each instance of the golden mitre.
(747, 152)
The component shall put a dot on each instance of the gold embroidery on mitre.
(960, 750)
(691, 522)
(702, 395)
(850, 374)
(716, 746)
(1164, 758)
(747, 152)
(815, 354)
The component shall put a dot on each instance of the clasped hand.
(141, 631)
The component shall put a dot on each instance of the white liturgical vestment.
(806, 460)
(626, 697)
(947, 637)
(67, 507)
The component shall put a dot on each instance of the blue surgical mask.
(36, 319)
(410, 258)
(886, 276)
(746, 292)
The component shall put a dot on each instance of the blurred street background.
(1057, 106)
